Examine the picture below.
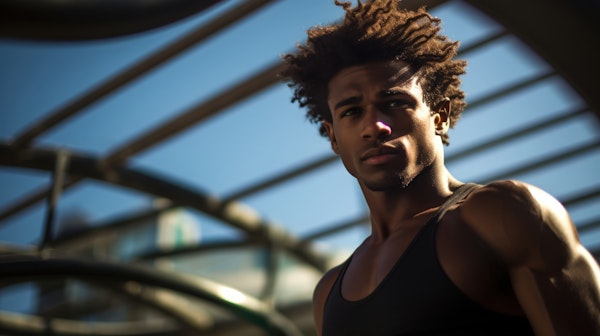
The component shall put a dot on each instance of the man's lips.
(379, 155)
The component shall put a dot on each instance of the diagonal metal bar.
(228, 97)
(288, 175)
(514, 135)
(479, 44)
(588, 226)
(98, 229)
(138, 69)
(509, 90)
(551, 159)
(591, 194)
(34, 198)
(335, 228)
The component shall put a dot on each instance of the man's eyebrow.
(393, 92)
(347, 101)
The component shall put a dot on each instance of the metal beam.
(133, 72)
(33, 198)
(513, 135)
(228, 97)
(543, 162)
(280, 178)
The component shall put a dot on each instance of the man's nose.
(376, 126)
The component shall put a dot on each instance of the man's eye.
(397, 103)
(350, 112)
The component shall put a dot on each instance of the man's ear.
(442, 116)
(329, 128)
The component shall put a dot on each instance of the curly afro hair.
(376, 31)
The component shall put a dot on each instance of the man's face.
(381, 127)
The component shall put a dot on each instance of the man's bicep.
(566, 276)
(563, 301)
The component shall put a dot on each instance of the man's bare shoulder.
(516, 219)
(321, 293)
(326, 283)
(513, 200)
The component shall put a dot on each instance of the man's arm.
(555, 279)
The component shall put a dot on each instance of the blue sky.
(265, 134)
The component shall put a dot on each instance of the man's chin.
(397, 183)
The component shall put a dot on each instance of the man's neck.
(392, 208)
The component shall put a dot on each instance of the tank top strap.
(459, 194)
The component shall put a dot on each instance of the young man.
(443, 257)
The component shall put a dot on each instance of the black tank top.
(417, 297)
